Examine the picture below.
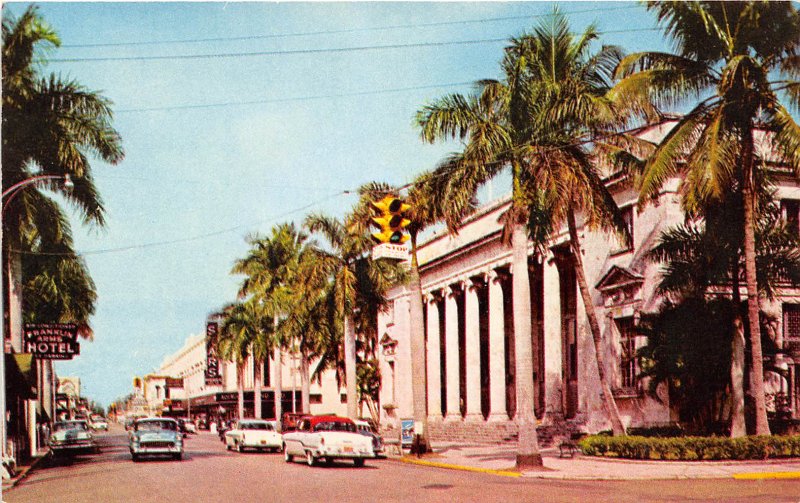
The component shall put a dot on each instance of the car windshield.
(256, 426)
(77, 425)
(335, 426)
(155, 425)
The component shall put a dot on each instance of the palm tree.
(357, 285)
(529, 122)
(426, 209)
(566, 99)
(269, 268)
(236, 335)
(727, 54)
(50, 127)
(704, 257)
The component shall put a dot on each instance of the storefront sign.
(52, 341)
(212, 375)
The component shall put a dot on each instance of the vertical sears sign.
(213, 374)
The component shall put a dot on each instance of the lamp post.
(7, 196)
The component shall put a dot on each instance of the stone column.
(434, 359)
(497, 350)
(553, 382)
(473, 348)
(451, 338)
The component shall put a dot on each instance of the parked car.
(364, 428)
(253, 434)
(328, 437)
(290, 419)
(156, 436)
(71, 437)
(99, 423)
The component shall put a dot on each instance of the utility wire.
(288, 100)
(291, 52)
(349, 30)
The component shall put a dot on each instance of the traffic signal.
(391, 220)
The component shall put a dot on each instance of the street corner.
(453, 466)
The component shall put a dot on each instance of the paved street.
(210, 473)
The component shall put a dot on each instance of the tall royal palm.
(269, 269)
(50, 126)
(236, 335)
(734, 62)
(358, 284)
(426, 209)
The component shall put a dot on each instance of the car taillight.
(244, 439)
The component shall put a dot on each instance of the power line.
(187, 239)
(279, 53)
(297, 98)
(294, 52)
(336, 32)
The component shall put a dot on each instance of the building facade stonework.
(469, 339)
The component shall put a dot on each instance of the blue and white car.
(71, 437)
(156, 436)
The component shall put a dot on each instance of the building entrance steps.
(500, 460)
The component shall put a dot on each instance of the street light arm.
(17, 187)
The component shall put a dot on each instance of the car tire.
(310, 459)
(178, 456)
(359, 462)
(135, 457)
(227, 446)
(239, 447)
(286, 456)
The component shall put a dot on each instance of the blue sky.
(228, 144)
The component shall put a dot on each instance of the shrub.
(691, 448)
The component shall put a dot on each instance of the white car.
(329, 438)
(99, 423)
(253, 434)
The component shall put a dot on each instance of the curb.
(447, 466)
(766, 475)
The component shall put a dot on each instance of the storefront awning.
(21, 375)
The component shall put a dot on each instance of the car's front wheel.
(134, 457)
(359, 462)
(286, 456)
(178, 456)
(310, 459)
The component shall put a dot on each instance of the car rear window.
(257, 426)
(155, 425)
(335, 426)
(78, 425)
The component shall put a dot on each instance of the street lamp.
(7, 196)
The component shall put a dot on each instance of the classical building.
(469, 339)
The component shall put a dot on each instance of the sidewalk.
(500, 459)
(22, 470)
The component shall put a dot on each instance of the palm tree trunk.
(350, 367)
(528, 454)
(753, 308)
(617, 427)
(240, 388)
(418, 381)
(257, 380)
(305, 385)
(738, 424)
(277, 365)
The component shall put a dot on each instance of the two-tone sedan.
(328, 438)
(71, 437)
(253, 434)
(156, 436)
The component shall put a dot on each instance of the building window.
(315, 398)
(627, 216)
(791, 323)
(629, 368)
(790, 210)
(343, 398)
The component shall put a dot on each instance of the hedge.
(691, 448)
